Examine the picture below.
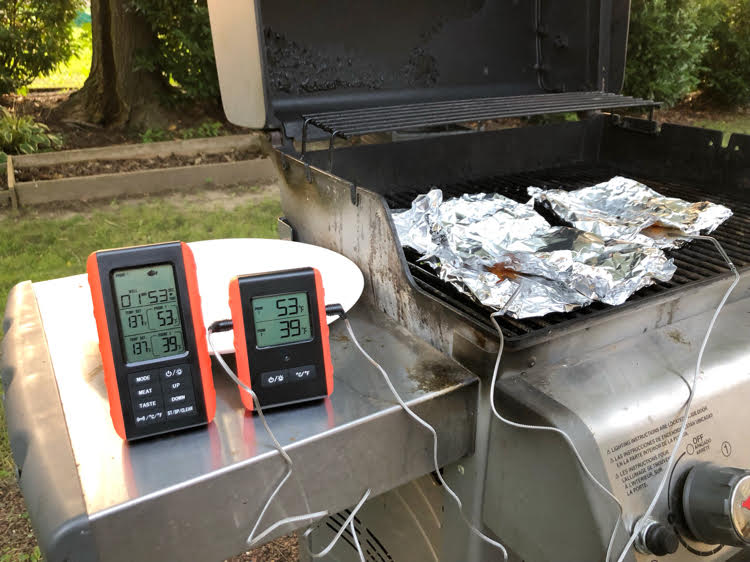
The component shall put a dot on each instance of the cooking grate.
(353, 122)
(698, 261)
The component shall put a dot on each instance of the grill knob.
(657, 539)
(716, 504)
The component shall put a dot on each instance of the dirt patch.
(696, 112)
(94, 167)
(42, 105)
(284, 549)
(16, 535)
(17, 540)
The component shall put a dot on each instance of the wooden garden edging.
(86, 188)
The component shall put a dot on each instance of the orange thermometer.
(151, 338)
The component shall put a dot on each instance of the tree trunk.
(115, 94)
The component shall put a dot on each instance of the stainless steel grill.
(697, 262)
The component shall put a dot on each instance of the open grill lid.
(381, 65)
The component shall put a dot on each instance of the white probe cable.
(642, 520)
(349, 521)
(560, 432)
(356, 542)
(252, 539)
(431, 429)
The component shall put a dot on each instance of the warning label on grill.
(645, 455)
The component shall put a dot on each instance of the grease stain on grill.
(433, 376)
(294, 68)
(678, 337)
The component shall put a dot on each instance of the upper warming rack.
(354, 122)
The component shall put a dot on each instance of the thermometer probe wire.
(432, 431)
(560, 432)
(643, 520)
(252, 540)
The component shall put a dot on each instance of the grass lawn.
(738, 124)
(40, 246)
(72, 74)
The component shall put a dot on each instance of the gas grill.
(370, 104)
(377, 105)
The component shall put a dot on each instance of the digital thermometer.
(151, 338)
(281, 336)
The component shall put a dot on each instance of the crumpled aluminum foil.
(489, 246)
(624, 209)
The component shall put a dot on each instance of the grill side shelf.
(38, 434)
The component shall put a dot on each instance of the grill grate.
(696, 262)
(353, 122)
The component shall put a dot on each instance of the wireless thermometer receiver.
(281, 336)
(151, 338)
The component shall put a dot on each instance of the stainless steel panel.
(195, 495)
(621, 404)
(38, 438)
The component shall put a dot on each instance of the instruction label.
(644, 456)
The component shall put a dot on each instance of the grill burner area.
(696, 262)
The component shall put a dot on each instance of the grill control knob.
(716, 504)
(657, 539)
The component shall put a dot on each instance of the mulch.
(41, 106)
(16, 534)
(94, 167)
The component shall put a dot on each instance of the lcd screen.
(148, 312)
(281, 319)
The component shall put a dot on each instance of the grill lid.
(451, 61)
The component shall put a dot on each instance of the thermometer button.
(302, 373)
(174, 372)
(144, 377)
(184, 396)
(274, 378)
(180, 411)
(148, 404)
(146, 419)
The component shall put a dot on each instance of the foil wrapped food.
(492, 248)
(625, 209)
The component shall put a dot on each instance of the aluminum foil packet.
(624, 209)
(491, 247)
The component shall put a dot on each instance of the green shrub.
(35, 36)
(23, 135)
(206, 129)
(185, 52)
(155, 135)
(725, 77)
(666, 44)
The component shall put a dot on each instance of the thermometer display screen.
(281, 319)
(148, 311)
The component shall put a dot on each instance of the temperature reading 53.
(288, 306)
(281, 319)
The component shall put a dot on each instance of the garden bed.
(126, 170)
